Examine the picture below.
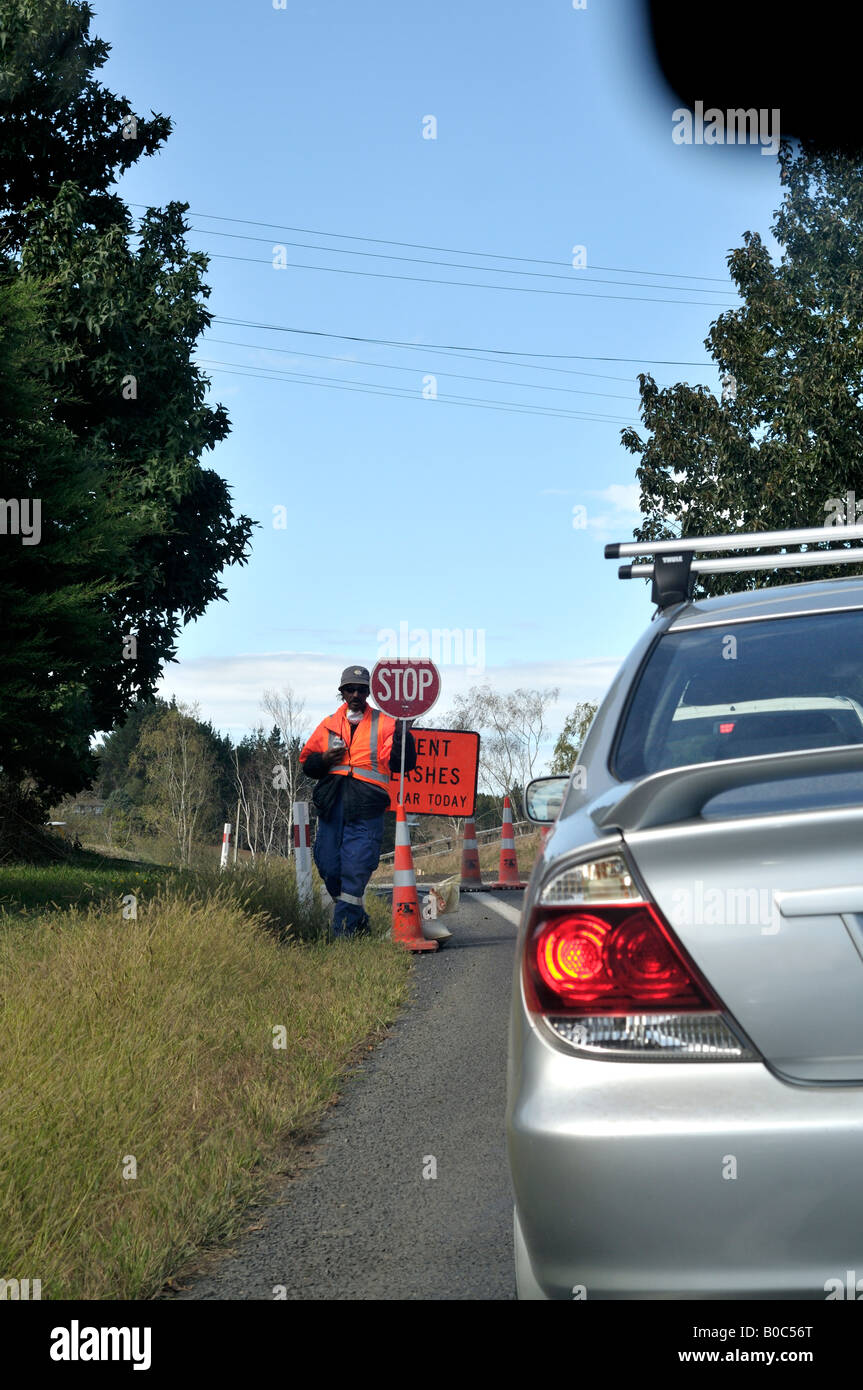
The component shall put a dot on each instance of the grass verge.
(146, 1094)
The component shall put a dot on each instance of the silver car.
(685, 1072)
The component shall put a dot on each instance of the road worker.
(350, 756)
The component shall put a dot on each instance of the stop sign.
(405, 689)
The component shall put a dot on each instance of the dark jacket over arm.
(314, 766)
(396, 753)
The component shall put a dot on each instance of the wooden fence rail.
(447, 843)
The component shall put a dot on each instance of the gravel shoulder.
(360, 1221)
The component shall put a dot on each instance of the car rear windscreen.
(745, 690)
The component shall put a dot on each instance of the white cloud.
(623, 497)
(229, 689)
(619, 514)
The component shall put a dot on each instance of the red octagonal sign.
(405, 689)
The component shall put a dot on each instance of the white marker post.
(226, 841)
(303, 851)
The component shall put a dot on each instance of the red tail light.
(614, 959)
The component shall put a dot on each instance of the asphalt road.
(362, 1222)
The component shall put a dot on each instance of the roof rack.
(674, 567)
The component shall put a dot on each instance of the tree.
(59, 123)
(268, 778)
(511, 729)
(265, 812)
(180, 773)
(788, 435)
(62, 533)
(572, 736)
(117, 771)
(288, 716)
(121, 322)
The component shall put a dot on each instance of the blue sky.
(551, 133)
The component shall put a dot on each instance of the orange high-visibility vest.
(367, 754)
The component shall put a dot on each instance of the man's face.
(356, 697)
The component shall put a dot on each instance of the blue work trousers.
(347, 854)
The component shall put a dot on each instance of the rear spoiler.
(679, 794)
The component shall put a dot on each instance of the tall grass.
(147, 1047)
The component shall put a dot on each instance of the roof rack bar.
(749, 540)
(808, 559)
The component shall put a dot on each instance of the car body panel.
(669, 1179)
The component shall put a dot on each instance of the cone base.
(506, 885)
(416, 945)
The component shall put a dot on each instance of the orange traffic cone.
(508, 872)
(471, 875)
(407, 920)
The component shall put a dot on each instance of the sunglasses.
(355, 690)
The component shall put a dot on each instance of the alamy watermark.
(21, 516)
(754, 126)
(445, 646)
(843, 511)
(16, 1289)
(725, 907)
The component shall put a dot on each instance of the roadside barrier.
(508, 872)
(444, 845)
(407, 921)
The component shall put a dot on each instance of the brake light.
(609, 978)
(726, 728)
(611, 960)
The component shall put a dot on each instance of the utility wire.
(447, 250)
(390, 367)
(454, 347)
(458, 354)
(456, 265)
(464, 284)
(374, 389)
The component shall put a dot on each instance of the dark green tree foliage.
(789, 436)
(115, 753)
(121, 323)
(60, 124)
(62, 532)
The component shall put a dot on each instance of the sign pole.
(402, 776)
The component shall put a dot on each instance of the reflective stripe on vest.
(373, 740)
(364, 774)
(332, 739)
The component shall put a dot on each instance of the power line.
(374, 389)
(391, 367)
(301, 378)
(455, 265)
(447, 250)
(455, 347)
(459, 354)
(464, 284)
